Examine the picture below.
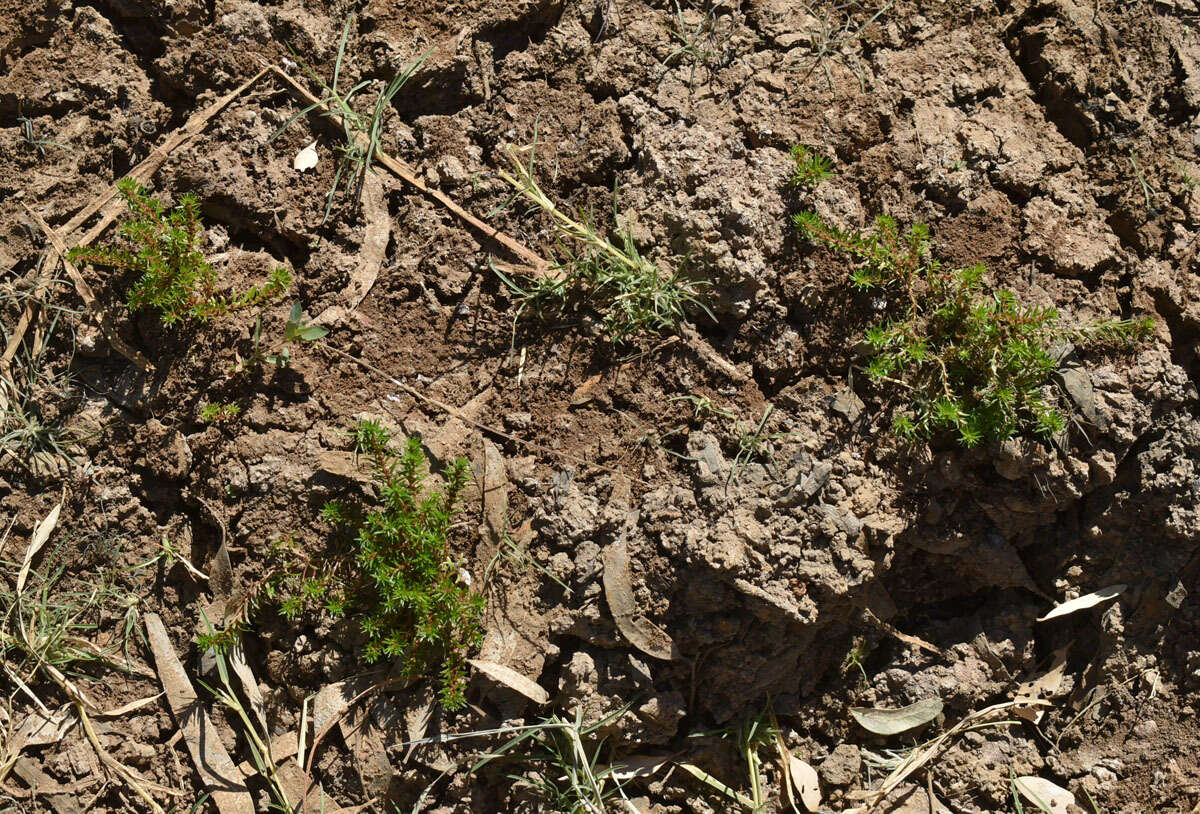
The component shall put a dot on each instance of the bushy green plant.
(390, 568)
(955, 358)
(808, 168)
(162, 247)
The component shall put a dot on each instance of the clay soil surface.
(805, 565)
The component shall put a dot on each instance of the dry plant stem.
(453, 411)
(86, 294)
(142, 172)
(409, 176)
(922, 756)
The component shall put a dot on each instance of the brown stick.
(538, 264)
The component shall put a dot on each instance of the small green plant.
(704, 43)
(390, 568)
(957, 360)
(33, 395)
(35, 142)
(809, 168)
(163, 249)
(561, 758)
(633, 294)
(217, 412)
(361, 132)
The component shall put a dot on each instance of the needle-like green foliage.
(390, 567)
(954, 358)
(162, 247)
(809, 168)
(632, 294)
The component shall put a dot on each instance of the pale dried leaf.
(40, 729)
(494, 486)
(216, 769)
(633, 766)
(1043, 685)
(373, 247)
(40, 535)
(237, 660)
(803, 779)
(306, 159)
(511, 679)
(1084, 602)
(895, 721)
(1049, 797)
(618, 590)
(130, 707)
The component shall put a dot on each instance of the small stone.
(846, 403)
(1146, 729)
(1078, 384)
(842, 767)
(815, 481)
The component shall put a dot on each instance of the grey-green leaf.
(895, 721)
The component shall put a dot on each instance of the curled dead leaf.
(1050, 798)
(306, 159)
(618, 590)
(511, 679)
(40, 535)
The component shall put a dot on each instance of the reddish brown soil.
(1054, 141)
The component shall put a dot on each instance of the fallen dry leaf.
(803, 778)
(216, 769)
(1044, 685)
(895, 721)
(618, 590)
(1084, 602)
(306, 159)
(1049, 797)
(511, 679)
(42, 729)
(40, 535)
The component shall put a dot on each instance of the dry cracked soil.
(806, 565)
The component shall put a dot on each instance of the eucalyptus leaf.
(895, 721)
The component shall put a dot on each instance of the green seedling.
(162, 249)
(809, 168)
(954, 359)
(632, 294)
(702, 406)
(34, 142)
(361, 132)
(217, 412)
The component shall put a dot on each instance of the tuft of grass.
(361, 132)
(35, 142)
(162, 248)
(809, 168)
(32, 395)
(632, 293)
(829, 38)
(389, 569)
(64, 626)
(704, 43)
(955, 359)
